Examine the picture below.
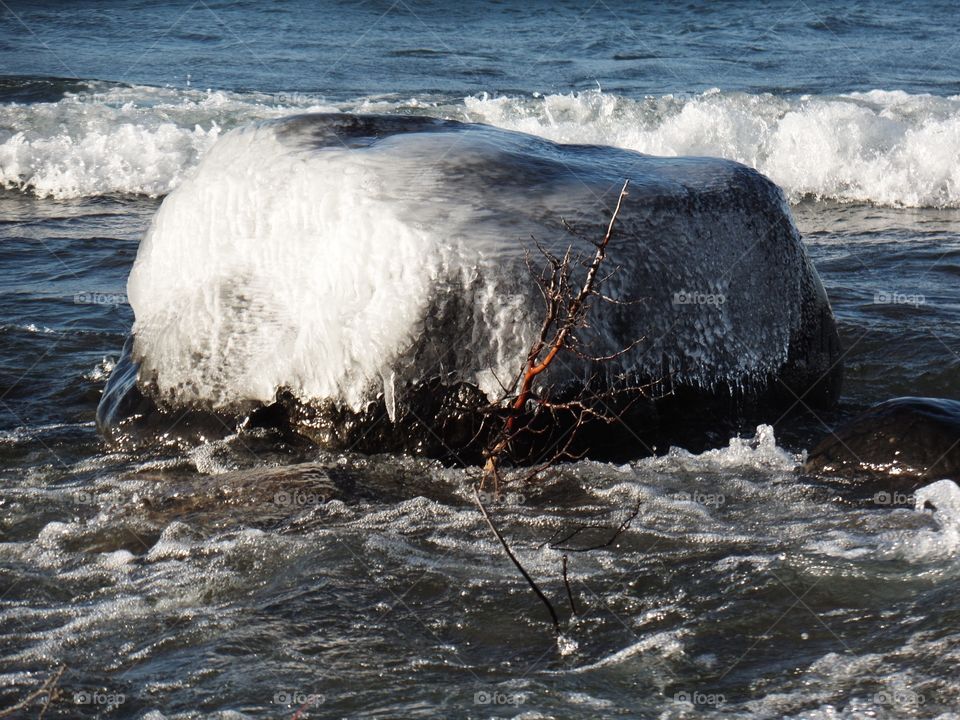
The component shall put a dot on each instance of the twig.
(617, 533)
(535, 366)
(525, 410)
(566, 311)
(566, 584)
(49, 688)
(513, 559)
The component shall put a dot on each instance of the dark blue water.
(349, 49)
(244, 579)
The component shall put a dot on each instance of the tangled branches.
(567, 305)
(49, 691)
(566, 308)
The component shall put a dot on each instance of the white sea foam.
(666, 644)
(119, 140)
(759, 452)
(883, 147)
(101, 370)
(889, 148)
(943, 500)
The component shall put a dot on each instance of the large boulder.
(363, 279)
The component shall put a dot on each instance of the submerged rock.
(362, 280)
(912, 438)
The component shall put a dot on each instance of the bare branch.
(571, 229)
(528, 411)
(612, 356)
(565, 313)
(513, 559)
(566, 584)
(624, 526)
(49, 688)
(616, 301)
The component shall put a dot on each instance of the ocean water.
(249, 578)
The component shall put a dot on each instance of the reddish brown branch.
(565, 313)
(535, 366)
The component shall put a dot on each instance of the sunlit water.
(246, 578)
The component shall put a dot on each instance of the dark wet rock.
(734, 321)
(906, 439)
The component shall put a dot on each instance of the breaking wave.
(882, 147)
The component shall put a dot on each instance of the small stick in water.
(566, 584)
(513, 559)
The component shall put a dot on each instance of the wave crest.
(882, 147)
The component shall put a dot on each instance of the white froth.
(102, 370)
(883, 147)
(888, 148)
(117, 560)
(759, 453)
(921, 544)
(667, 644)
(75, 148)
(944, 497)
(118, 140)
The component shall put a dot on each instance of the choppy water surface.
(235, 576)
(231, 578)
(248, 578)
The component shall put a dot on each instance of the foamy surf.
(123, 140)
(881, 147)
